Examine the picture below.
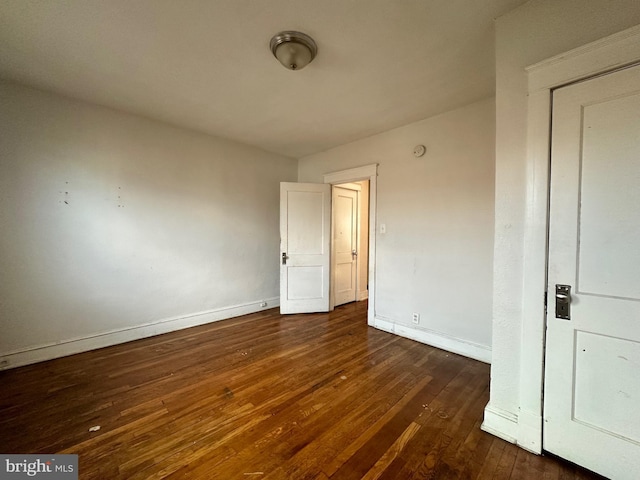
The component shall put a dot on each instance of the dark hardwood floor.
(266, 396)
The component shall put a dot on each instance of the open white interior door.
(592, 367)
(305, 247)
(345, 244)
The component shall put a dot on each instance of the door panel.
(305, 283)
(610, 185)
(592, 364)
(595, 405)
(305, 220)
(305, 229)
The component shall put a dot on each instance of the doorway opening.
(350, 242)
(368, 173)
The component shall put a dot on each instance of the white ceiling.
(206, 64)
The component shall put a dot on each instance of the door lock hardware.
(563, 302)
(284, 258)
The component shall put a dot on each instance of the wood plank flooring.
(265, 396)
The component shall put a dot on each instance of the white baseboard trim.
(436, 339)
(63, 348)
(530, 431)
(362, 295)
(501, 423)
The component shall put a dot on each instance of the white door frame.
(603, 56)
(367, 172)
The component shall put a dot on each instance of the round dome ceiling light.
(294, 50)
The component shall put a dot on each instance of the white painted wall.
(112, 223)
(436, 257)
(536, 31)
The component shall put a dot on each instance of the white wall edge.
(63, 348)
(436, 339)
(501, 423)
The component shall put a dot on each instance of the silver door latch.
(563, 302)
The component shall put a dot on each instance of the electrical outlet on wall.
(416, 318)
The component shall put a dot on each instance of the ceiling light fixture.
(294, 50)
